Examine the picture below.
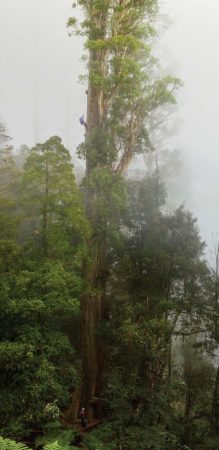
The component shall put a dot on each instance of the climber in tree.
(82, 121)
(83, 417)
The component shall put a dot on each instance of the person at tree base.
(83, 417)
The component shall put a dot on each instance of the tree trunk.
(215, 404)
(45, 213)
(170, 361)
(107, 21)
(92, 302)
(188, 405)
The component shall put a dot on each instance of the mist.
(109, 300)
(41, 96)
(192, 49)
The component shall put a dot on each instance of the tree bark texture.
(92, 302)
(215, 404)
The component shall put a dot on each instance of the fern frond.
(52, 446)
(56, 446)
(8, 444)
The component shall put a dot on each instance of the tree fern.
(8, 444)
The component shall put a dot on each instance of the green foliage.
(210, 442)
(8, 190)
(37, 359)
(56, 438)
(156, 289)
(41, 285)
(158, 281)
(123, 72)
(53, 202)
(124, 88)
(8, 444)
(142, 266)
(102, 438)
(111, 436)
(56, 446)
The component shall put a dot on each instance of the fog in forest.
(109, 298)
(41, 96)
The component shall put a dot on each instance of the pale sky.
(193, 44)
(40, 95)
(40, 64)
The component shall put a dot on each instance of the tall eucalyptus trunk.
(120, 96)
(92, 301)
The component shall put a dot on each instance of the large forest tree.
(124, 88)
(52, 200)
(41, 257)
(156, 291)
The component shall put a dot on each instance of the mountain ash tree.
(124, 88)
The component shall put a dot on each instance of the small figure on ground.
(82, 121)
(83, 417)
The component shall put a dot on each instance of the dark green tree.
(155, 292)
(52, 201)
(9, 178)
(41, 285)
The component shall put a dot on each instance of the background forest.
(107, 301)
